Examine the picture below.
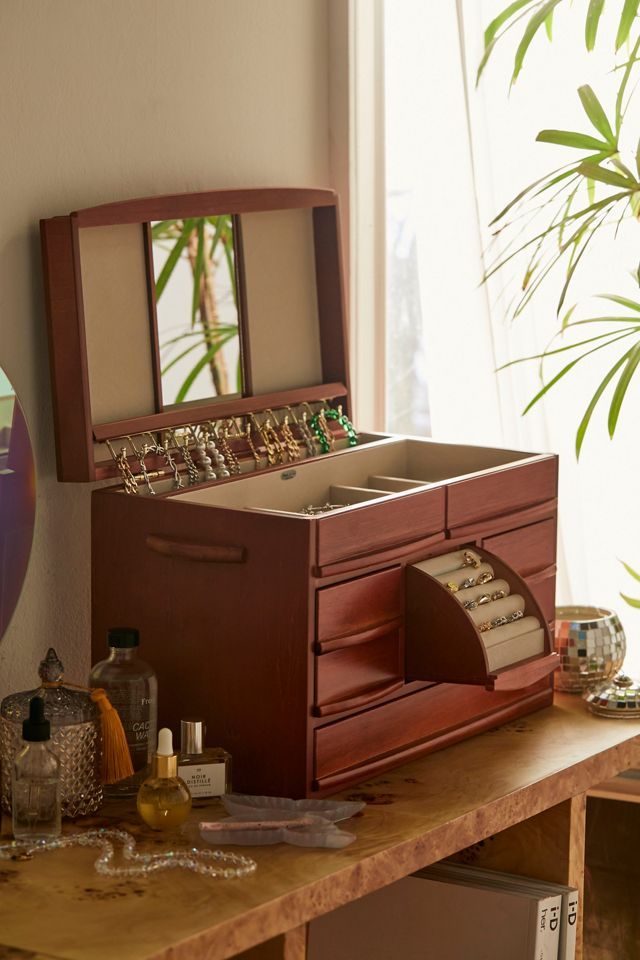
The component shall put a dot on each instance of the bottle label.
(204, 780)
(134, 709)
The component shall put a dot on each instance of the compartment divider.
(396, 484)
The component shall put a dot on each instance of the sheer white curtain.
(459, 155)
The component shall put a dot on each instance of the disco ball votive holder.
(591, 644)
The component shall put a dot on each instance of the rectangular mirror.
(196, 270)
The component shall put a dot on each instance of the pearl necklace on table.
(210, 863)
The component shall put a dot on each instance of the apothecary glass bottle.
(35, 780)
(132, 688)
(76, 738)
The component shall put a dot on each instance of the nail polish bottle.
(164, 800)
(205, 770)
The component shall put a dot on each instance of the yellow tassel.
(116, 759)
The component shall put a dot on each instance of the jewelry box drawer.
(501, 492)
(528, 549)
(359, 604)
(543, 587)
(369, 529)
(418, 718)
(357, 670)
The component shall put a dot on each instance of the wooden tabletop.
(56, 906)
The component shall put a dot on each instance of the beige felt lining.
(116, 311)
(492, 638)
(447, 562)
(518, 648)
(472, 593)
(351, 467)
(282, 304)
(497, 608)
(394, 484)
(459, 576)
(293, 488)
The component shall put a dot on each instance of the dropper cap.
(166, 759)
(36, 728)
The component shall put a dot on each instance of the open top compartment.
(379, 468)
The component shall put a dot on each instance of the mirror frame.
(17, 514)
(76, 433)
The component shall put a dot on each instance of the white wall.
(104, 100)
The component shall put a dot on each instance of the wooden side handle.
(339, 705)
(524, 674)
(363, 636)
(200, 552)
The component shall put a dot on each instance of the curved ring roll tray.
(314, 651)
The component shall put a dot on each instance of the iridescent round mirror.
(17, 500)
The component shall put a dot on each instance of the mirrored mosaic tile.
(591, 644)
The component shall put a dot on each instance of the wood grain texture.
(415, 815)
(549, 846)
(290, 946)
(612, 881)
(422, 721)
(218, 410)
(528, 549)
(489, 526)
(501, 492)
(359, 604)
(67, 352)
(226, 639)
(198, 552)
(211, 203)
(367, 529)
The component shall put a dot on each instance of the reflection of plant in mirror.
(206, 245)
(562, 212)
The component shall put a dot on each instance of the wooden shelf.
(415, 815)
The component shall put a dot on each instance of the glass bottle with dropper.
(164, 800)
(35, 780)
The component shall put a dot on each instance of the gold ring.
(468, 560)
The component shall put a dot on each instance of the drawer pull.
(354, 702)
(200, 552)
(355, 639)
(520, 676)
(542, 574)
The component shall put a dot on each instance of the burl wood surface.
(417, 814)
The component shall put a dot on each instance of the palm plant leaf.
(170, 263)
(200, 365)
(629, 13)
(591, 24)
(622, 387)
(631, 571)
(534, 24)
(623, 301)
(586, 419)
(565, 370)
(631, 601)
(595, 112)
(571, 138)
(198, 269)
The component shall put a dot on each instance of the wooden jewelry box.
(293, 604)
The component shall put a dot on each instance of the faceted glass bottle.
(205, 770)
(35, 781)
(76, 738)
(132, 688)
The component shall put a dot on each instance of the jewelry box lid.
(181, 309)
